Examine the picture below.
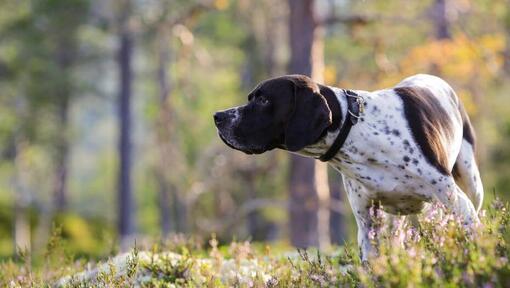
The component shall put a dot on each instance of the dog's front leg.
(362, 207)
(366, 237)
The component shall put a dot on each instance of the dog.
(397, 149)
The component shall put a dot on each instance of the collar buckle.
(361, 103)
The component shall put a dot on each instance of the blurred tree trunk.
(22, 237)
(168, 193)
(125, 194)
(441, 19)
(253, 218)
(65, 59)
(303, 195)
(62, 161)
(321, 168)
(337, 221)
(163, 132)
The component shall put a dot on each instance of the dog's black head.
(285, 112)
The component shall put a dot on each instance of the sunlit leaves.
(463, 61)
(221, 4)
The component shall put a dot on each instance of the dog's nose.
(223, 116)
(219, 117)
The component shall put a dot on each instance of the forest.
(108, 144)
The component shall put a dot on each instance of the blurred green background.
(106, 110)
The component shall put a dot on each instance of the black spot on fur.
(406, 159)
(395, 132)
(353, 150)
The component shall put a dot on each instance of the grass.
(438, 253)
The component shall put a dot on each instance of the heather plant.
(437, 252)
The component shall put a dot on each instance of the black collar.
(355, 106)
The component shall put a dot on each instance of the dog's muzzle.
(224, 121)
(222, 118)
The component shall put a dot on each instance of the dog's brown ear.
(310, 115)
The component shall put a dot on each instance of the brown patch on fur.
(429, 122)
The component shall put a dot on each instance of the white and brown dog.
(401, 147)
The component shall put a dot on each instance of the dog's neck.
(339, 117)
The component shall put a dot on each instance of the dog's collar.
(355, 106)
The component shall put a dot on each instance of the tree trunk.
(321, 168)
(337, 221)
(303, 195)
(303, 202)
(441, 19)
(125, 195)
(164, 133)
(22, 238)
(64, 58)
(21, 225)
(253, 218)
(62, 161)
(164, 207)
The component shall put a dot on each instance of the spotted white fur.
(382, 163)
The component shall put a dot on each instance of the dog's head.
(287, 112)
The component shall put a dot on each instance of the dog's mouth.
(224, 139)
(235, 145)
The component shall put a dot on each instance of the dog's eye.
(263, 100)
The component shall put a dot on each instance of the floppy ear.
(310, 116)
